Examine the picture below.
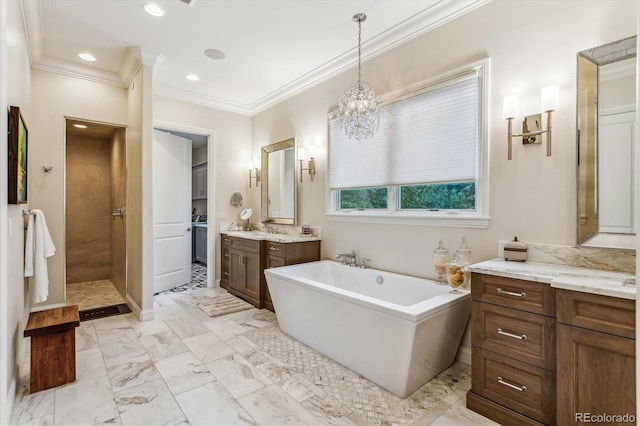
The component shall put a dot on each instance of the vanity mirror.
(606, 110)
(279, 185)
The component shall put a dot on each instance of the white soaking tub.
(397, 331)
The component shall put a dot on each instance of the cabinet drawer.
(521, 387)
(275, 249)
(225, 241)
(601, 313)
(538, 298)
(520, 335)
(244, 244)
(226, 258)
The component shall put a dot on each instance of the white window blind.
(429, 137)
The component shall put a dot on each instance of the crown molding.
(625, 68)
(436, 15)
(200, 99)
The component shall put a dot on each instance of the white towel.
(236, 199)
(38, 247)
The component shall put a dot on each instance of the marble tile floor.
(187, 368)
(93, 294)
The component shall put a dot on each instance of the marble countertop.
(278, 238)
(607, 283)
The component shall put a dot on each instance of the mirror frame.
(264, 161)
(601, 55)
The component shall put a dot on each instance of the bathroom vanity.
(245, 255)
(551, 342)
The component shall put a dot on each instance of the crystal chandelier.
(359, 107)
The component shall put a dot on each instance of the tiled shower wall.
(88, 187)
(118, 199)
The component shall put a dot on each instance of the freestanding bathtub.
(395, 330)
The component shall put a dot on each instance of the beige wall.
(55, 97)
(88, 200)
(117, 262)
(15, 297)
(134, 189)
(534, 197)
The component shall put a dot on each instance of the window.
(427, 161)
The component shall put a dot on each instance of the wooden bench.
(53, 347)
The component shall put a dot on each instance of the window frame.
(448, 218)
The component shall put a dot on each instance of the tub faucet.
(363, 263)
(344, 256)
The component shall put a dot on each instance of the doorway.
(95, 209)
(196, 247)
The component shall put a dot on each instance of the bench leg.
(53, 359)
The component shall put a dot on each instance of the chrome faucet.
(363, 263)
(344, 256)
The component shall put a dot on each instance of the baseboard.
(7, 410)
(217, 283)
(464, 355)
(45, 307)
(141, 315)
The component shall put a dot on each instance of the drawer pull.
(274, 248)
(522, 388)
(226, 255)
(226, 240)
(515, 336)
(511, 293)
(226, 274)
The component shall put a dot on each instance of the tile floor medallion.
(184, 367)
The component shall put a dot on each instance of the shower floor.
(93, 294)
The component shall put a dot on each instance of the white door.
(171, 211)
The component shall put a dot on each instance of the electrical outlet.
(222, 216)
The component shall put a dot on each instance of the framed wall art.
(18, 139)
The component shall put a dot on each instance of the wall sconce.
(311, 164)
(251, 165)
(532, 124)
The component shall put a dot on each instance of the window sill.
(443, 220)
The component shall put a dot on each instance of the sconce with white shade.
(311, 163)
(254, 165)
(531, 124)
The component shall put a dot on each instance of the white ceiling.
(273, 48)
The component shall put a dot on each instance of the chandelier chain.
(359, 53)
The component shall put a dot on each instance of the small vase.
(440, 256)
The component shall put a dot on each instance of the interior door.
(171, 211)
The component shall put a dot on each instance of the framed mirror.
(279, 184)
(606, 110)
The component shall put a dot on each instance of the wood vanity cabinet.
(542, 355)
(242, 266)
(243, 262)
(282, 254)
(596, 356)
(513, 370)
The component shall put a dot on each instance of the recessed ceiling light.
(87, 57)
(80, 126)
(153, 9)
(193, 77)
(214, 54)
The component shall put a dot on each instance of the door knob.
(188, 229)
